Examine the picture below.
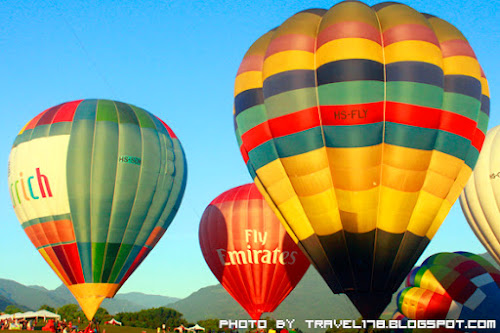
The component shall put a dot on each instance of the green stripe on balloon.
(415, 93)
(251, 117)
(78, 178)
(352, 92)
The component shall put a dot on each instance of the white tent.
(113, 321)
(196, 328)
(26, 315)
(46, 314)
(5, 316)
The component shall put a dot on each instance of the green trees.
(48, 308)
(10, 309)
(152, 318)
(70, 312)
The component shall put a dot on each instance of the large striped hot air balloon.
(361, 125)
(95, 184)
(249, 251)
(460, 285)
(481, 196)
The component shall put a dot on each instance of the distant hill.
(32, 297)
(311, 299)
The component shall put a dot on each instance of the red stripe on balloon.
(409, 32)
(244, 153)
(251, 63)
(457, 47)
(425, 117)
(169, 130)
(68, 257)
(350, 29)
(437, 308)
(66, 112)
(461, 289)
(478, 139)
(140, 257)
(360, 114)
(290, 42)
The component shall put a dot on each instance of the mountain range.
(311, 299)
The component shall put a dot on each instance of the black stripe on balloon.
(415, 71)
(246, 99)
(314, 249)
(409, 252)
(350, 70)
(463, 84)
(386, 249)
(485, 104)
(351, 256)
(289, 80)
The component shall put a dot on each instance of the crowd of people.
(51, 325)
(18, 324)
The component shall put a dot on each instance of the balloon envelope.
(481, 196)
(249, 251)
(95, 184)
(452, 286)
(361, 125)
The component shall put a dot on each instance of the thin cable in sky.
(88, 56)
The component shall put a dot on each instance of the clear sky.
(178, 60)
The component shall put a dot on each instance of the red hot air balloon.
(249, 251)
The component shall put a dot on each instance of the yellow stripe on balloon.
(275, 209)
(322, 212)
(413, 50)
(54, 267)
(358, 209)
(349, 48)
(410, 302)
(485, 90)
(429, 282)
(459, 184)
(395, 220)
(437, 184)
(247, 81)
(440, 216)
(424, 213)
(355, 168)
(306, 163)
(462, 65)
(446, 165)
(311, 184)
(293, 212)
(287, 61)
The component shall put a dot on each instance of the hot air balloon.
(249, 251)
(458, 286)
(481, 195)
(360, 126)
(95, 184)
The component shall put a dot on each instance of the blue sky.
(178, 60)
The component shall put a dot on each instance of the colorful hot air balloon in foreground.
(481, 196)
(95, 184)
(361, 125)
(249, 251)
(458, 285)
